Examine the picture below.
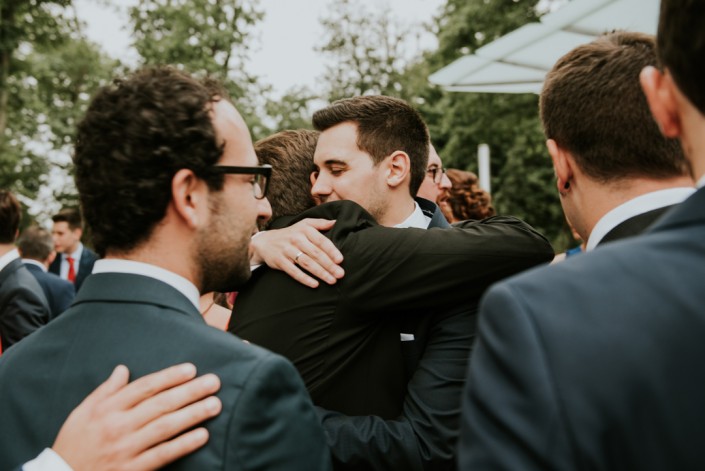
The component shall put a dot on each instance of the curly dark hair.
(384, 125)
(137, 133)
(466, 200)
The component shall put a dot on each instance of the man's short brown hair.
(681, 46)
(290, 153)
(10, 213)
(36, 243)
(384, 125)
(71, 216)
(592, 105)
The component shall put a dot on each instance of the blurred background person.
(75, 261)
(36, 248)
(465, 199)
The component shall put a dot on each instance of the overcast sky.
(288, 34)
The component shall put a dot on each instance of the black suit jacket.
(267, 420)
(596, 362)
(344, 339)
(59, 293)
(85, 265)
(23, 306)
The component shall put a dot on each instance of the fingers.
(167, 452)
(118, 378)
(147, 386)
(173, 399)
(166, 426)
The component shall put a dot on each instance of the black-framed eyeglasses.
(436, 174)
(262, 174)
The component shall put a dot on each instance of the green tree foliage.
(522, 178)
(292, 110)
(49, 73)
(205, 37)
(366, 51)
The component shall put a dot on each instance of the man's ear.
(50, 259)
(399, 166)
(660, 94)
(562, 165)
(189, 196)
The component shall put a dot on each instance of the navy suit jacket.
(23, 306)
(59, 293)
(267, 421)
(596, 362)
(85, 265)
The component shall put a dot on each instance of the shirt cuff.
(48, 460)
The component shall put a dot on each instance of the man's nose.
(320, 187)
(446, 184)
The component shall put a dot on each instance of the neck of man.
(169, 248)
(398, 210)
(71, 249)
(5, 248)
(597, 199)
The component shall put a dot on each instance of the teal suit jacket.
(267, 420)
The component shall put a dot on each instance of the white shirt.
(47, 460)
(76, 255)
(8, 257)
(181, 284)
(31, 261)
(416, 219)
(634, 207)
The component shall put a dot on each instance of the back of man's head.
(35, 243)
(592, 105)
(290, 153)
(384, 125)
(681, 46)
(71, 216)
(10, 213)
(137, 133)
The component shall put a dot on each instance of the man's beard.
(222, 251)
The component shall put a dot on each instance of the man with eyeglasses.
(170, 187)
(436, 182)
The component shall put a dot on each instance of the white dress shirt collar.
(639, 205)
(416, 219)
(181, 284)
(8, 257)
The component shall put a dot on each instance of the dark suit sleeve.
(424, 437)
(23, 312)
(512, 417)
(275, 424)
(397, 270)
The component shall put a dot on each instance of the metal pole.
(483, 164)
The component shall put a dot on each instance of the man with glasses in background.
(170, 187)
(436, 182)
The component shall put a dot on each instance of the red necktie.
(72, 270)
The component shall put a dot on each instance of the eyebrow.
(335, 162)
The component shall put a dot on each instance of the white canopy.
(519, 61)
